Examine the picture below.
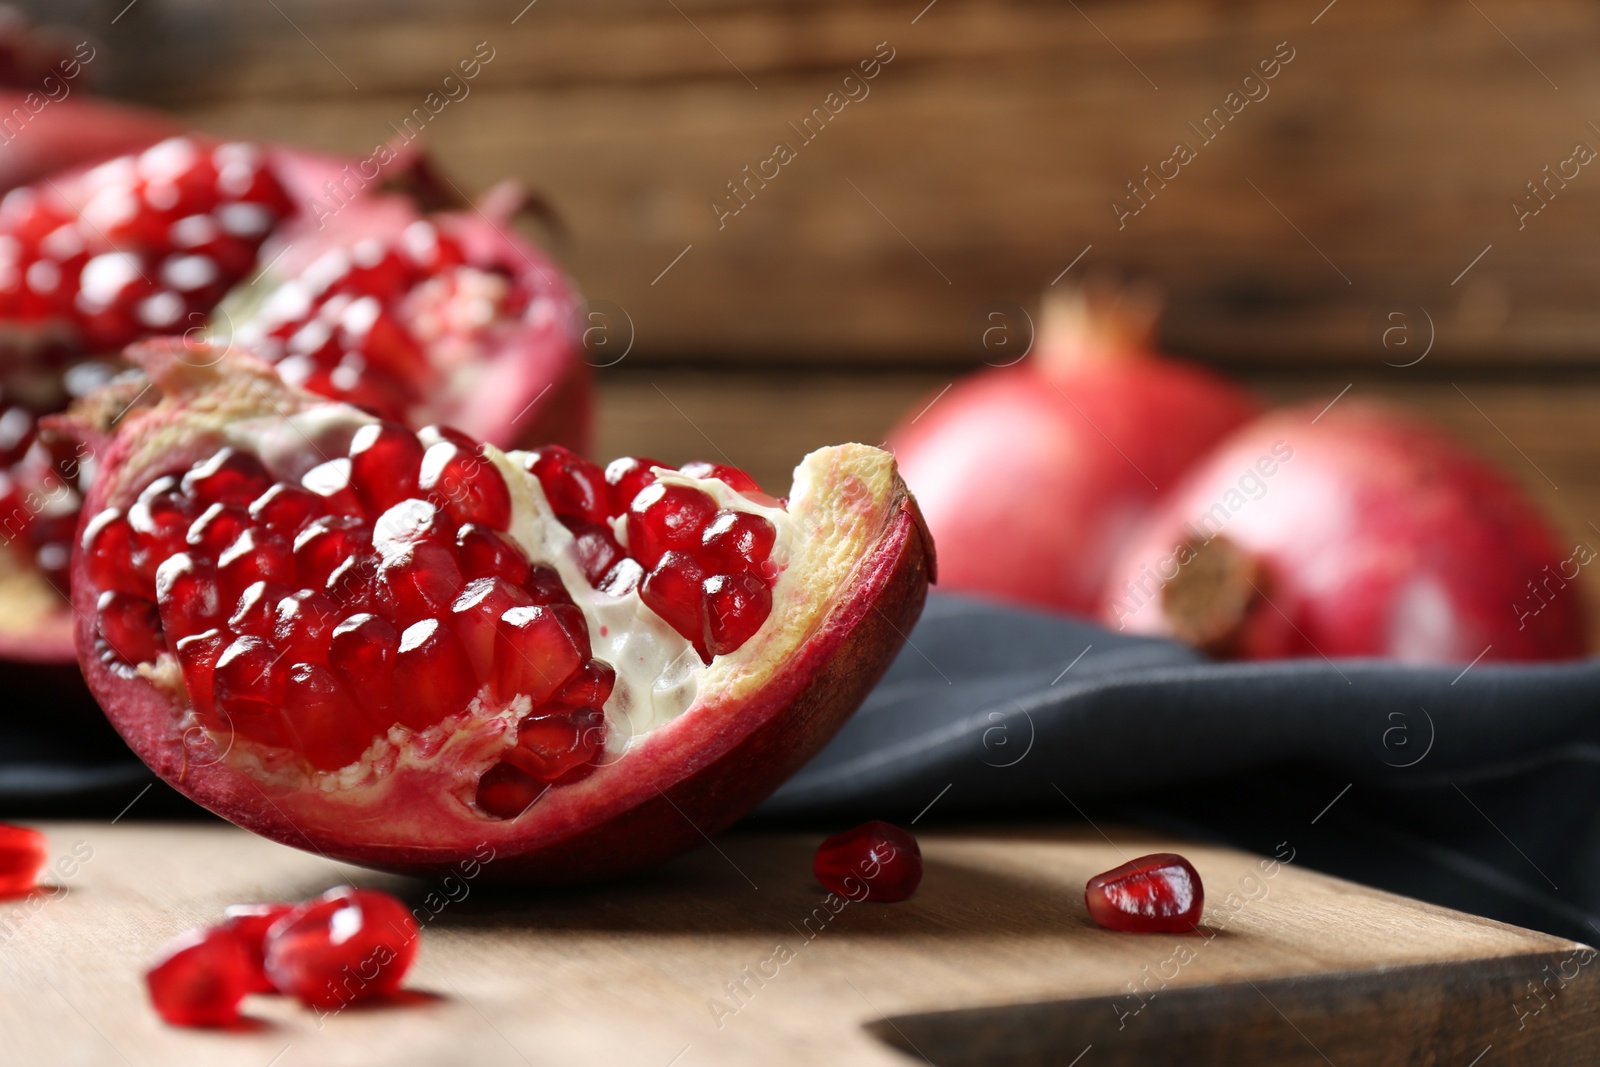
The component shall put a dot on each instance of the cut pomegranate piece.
(1159, 893)
(201, 977)
(250, 923)
(875, 861)
(23, 854)
(345, 946)
(446, 317)
(412, 683)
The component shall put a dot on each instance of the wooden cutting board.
(733, 955)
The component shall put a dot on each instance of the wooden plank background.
(1385, 158)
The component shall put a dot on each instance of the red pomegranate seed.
(535, 654)
(331, 482)
(256, 556)
(228, 477)
(130, 626)
(504, 792)
(384, 460)
(875, 861)
(200, 978)
(286, 509)
(256, 611)
(326, 543)
(160, 520)
(736, 479)
(487, 554)
(674, 590)
(736, 605)
(345, 946)
(590, 687)
(625, 478)
(432, 676)
(550, 746)
(324, 718)
(186, 590)
(575, 488)
(596, 550)
(1159, 893)
(623, 578)
(545, 585)
(353, 584)
(24, 852)
(475, 618)
(420, 583)
(250, 923)
(108, 545)
(197, 655)
(408, 524)
(217, 527)
(361, 651)
(465, 484)
(666, 517)
(737, 541)
(247, 689)
(304, 621)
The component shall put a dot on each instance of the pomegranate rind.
(860, 562)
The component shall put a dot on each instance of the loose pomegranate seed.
(250, 923)
(23, 855)
(664, 517)
(1159, 893)
(875, 861)
(575, 488)
(345, 946)
(200, 978)
(625, 478)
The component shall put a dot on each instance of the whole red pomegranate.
(1361, 532)
(403, 648)
(355, 292)
(1031, 476)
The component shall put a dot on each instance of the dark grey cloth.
(1477, 789)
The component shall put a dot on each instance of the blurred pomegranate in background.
(1032, 476)
(1361, 532)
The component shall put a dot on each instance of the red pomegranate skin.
(73, 131)
(1033, 476)
(685, 780)
(1377, 536)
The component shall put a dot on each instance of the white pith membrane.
(659, 675)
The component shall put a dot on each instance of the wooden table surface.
(732, 955)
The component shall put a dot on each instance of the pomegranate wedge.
(404, 648)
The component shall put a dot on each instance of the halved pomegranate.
(443, 317)
(396, 647)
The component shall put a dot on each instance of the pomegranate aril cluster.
(379, 591)
(364, 324)
(39, 494)
(156, 241)
(707, 571)
(345, 946)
